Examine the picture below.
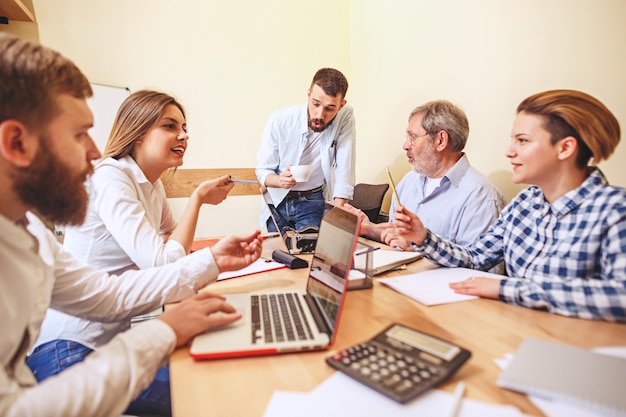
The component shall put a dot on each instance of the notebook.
(311, 316)
(569, 374)
(300, 241)
(384, 260)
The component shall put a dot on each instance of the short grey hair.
(441, 115)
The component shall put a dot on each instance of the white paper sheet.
(341, 396)
(431, 287)
(260, 265)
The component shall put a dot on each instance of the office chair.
(369, 199)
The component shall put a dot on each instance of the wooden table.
(488, 328)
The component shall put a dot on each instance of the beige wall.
(232, 63)
(486, 56)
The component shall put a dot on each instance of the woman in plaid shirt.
(563, 239)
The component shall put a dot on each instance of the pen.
(458, 397)
(361, 252)
(393, 186)
(269, 235)
(139, 319)
(244, 181)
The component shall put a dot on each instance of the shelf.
(16, 10)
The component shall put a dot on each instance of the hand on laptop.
(198, 314)
(235, 252)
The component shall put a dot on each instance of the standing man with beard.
(319, 133)
(452, 198)
(45, 158)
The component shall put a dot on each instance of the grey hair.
(441, 115)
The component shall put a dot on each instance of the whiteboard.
(104, 103)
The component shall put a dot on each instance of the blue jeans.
(53, 357)
(299, 212)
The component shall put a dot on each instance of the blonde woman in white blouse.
(128, 226)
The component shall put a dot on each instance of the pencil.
(458, 397)
(270, 235)
(364, 251)
(393, 186)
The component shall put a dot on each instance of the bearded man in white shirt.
(319, 134)
(45, 158)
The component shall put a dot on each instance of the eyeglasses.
(412, 139)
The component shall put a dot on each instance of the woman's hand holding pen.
(213, 191)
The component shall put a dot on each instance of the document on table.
(544, 369)
(431, 287)
(341, 396)
(260, 265)
(557, 408)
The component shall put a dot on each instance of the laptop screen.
(332, 262)
(296, 241)
(279, 222)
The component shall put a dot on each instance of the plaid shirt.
(568, 257)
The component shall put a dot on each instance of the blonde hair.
(577, 114)
(138, 113)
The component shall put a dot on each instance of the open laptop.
(300, 319)
(296, 241)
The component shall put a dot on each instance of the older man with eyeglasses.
(452, 198)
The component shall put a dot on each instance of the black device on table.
(400, 362)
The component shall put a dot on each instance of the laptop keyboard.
(278, 318)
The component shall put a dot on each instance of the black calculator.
(400, 362)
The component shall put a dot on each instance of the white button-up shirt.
(460, 209)
(124, 227)
(37, 273)
(283, 142)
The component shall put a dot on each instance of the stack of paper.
(341, 396)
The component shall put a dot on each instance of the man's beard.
(322, 126)
(52, 189)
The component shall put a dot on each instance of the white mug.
(301, 173)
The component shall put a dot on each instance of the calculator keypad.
(399, 376)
